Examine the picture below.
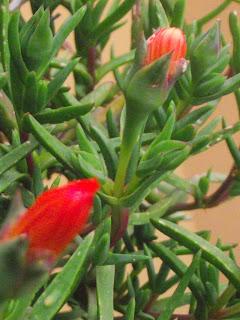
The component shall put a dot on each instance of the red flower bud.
(56, 217)
(167, 40)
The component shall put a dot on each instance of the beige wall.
(224, 221)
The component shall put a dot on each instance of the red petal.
(56, 217)
(166, 40)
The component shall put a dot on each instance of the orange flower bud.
(56, 217)
(167, 40)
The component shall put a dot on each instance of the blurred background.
(224, 220)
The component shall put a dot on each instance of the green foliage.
(132, 133)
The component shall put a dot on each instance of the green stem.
(215, 12)
(237, 97)
(134, 124)
(4, 15)
(125, 156)
(182, 108)
(133, 184)
(132, 131)
(7, 121)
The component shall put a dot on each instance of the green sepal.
(7, 121)
(202, 141)
(150, 268)
(98, 211)
(101, 250)
(203, 270)
(11, 158)
(42, 95)
(117, 258)
(17, 88)
(195, 117)
(63, 114)
(168, 7)
(82, 75)
(151, 82)
(98, 10)
(134, 161)
(134, 197)
(103, 228)
(235, 31)
(213, 275)
(142, 298)
(29, 27)
(83, 141)
(157, 15)
(179, 268)
(210, 85)
(103, 27)
(105, 285)
(156, 211)
(30, 95)
(131, 289)
(115, 63)
(187, 133)
(178, 14)
(99, 95)
(154, 157)
(56, 182)
(15, 47)
(28, 197)
(50, 142)
(162, 147)
(17, 277)
(113, 130)
(4, 47)
(70, 24)
(130, 311)
(10, 178)
(204, 184)
(55, 85)
(39, 45)
(173, 159)
(38, 186)
(210, 127)
(162, 275)
(167, 130)
(204, 52)
(220, 64)
(3, 80)
(229, 86)
(94, 160)
(107, 150)
(148, 166)
(211, 293)
(209, 251)
(176, 298)
(63, 284)
(76, 4)
(88, 170)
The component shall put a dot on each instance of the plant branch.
(217, 197)
(214, 13)
(92, 56)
